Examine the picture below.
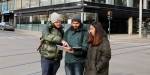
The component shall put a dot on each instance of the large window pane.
(89, 18)
(18, 4)
(135, 3)
(121, 2)
(43, 19)
(36, 19)
(57, 2)
(25, 3)
(97, 1)
(68, 1)
(34, 3)
(11, 5)
(0, 6)
(45, 2)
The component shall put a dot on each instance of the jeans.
(49, 67)
(74, 68)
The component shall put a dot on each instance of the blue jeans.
(74, 68)
(49, 67)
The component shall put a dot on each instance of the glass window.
(121, 2)
(97, 1)
(34, 3)
(68, 1)
(0, 6)
(36, 19)
(11, 5)
(45, 2)
(44, 19)
(25, 3)
(18, 4)
(89, 18)
(58, 1)
(135, 3)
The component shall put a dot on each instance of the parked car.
(6, 26)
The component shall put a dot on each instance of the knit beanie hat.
(76, 17)
(55, 17)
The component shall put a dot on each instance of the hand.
(65, 44)
(68, 49)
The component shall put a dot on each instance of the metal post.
(19, 20)
(140, 19)
(109, 16)
(109, 29)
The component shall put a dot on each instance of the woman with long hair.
(99, 52)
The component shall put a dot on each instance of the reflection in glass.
(25, 3)
(10, 5)
(57, 2)
(45, 2)
(34, 3)
(68, 1)
(18, 4)
(121, 2)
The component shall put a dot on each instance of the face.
(75, 24)
(92, 30)
(57, 24)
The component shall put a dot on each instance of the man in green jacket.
(51, 37)
(75, 47)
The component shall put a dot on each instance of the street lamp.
(109, 16)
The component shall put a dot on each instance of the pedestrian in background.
(51, 37)
(76, 47)
(99, 51)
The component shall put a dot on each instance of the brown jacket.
(98, 57)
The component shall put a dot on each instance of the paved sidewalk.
(18, 55)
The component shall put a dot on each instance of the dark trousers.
(74, 68)
(49, 67)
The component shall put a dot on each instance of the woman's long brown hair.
(97, 39)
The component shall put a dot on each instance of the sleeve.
(51, 38)
(105, 57)
(84, 47)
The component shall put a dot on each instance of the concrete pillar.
(82, 17)
(145, 4)
(140, 18)
(15, 25)
(129, 3)
(2, 20)
(130, 26)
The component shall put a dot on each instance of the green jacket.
(50, 38)
(76, 38)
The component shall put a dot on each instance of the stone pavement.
(18, 55)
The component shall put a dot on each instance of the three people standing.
(79, 45)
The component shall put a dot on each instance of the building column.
(130, 26)
(82, 17)
(145, 5)
(15, 25)
(2, 20)
(129, 3)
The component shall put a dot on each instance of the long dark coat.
(98, 57)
